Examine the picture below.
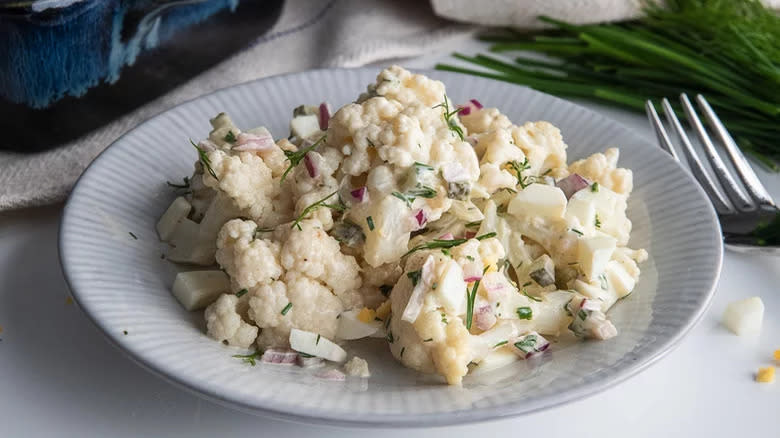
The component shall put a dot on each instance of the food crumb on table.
(357, 367)
(69, 300)
(765, 375)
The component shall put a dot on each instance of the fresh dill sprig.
(445, 244)
(470, 298)
(451, 122)
(204, 159)
(518, 167)
(296, 157)
(230, 137)
(321, 203)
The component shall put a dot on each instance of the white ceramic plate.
(123, 285)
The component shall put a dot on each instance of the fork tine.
(746, 173)
(660, 132)
(721, 203)
(733, 191)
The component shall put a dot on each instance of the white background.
(60, 378)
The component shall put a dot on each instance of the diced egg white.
(538, 200)
(316, 345)
(197, 289)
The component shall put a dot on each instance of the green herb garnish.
(249, 358)
(518, 167)
(594, 187)
(230, 137)
(370, 222)
(451, 122)
(132, 235)
(259, 231)
(531, 297)
(574, 230)
(287, 308)
(469, 258)
(421, 191)
(470, 298)
(603, 281)
(385, 289)
(500, 344)
(296, 157)
(321, 203)
(597, 222)
(428, 340)
(402, 351)
(242, 292)
(474, 224)
(184, 185)
(414, 276)
(444, 319)
(524, 313)
(527, 344)
(446, 252)
(389, 337)
(422, 166)
(486, 236)
(582, 314)
(204, 159)
(404, 198)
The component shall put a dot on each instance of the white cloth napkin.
(309, 34)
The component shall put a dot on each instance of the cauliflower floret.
(376, 280)
(294, 302)
(543, 145)
(355, 129)
(399, 84)
(452, 356)
(224, 324)
(357, 367)
(312, 252)
(484, 120)
(603, 169)
(248, 261)
(245, 178)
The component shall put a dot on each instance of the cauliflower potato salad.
(461, 240)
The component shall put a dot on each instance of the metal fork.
(743, 208)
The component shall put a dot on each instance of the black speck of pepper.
(125, 332)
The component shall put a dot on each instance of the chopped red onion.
(484, 318)
(324, 116)
(530, 344)
(572, 184)
(603, 330)
(472, 140)
(447, 236)
(314, 172)
(421, 218)
(472, 279)
(465, 110)
(253, 142)
(361, 194)
(281, 357)
(331, 374)
(471, 234)
(476, 103)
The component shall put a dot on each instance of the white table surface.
(60, 378)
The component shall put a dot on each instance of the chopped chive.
(524, 312)
(249, 358)
(204, 159)
(414, 276)
(242, 292)
(486, 236)
(428, 340)
(370, 222)
(474, 224)
(287, 308)
(594, 187)
(531, 297)
(230, 137)
(321, 203)
(574, 230)
(132, 235)
(500, 344)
